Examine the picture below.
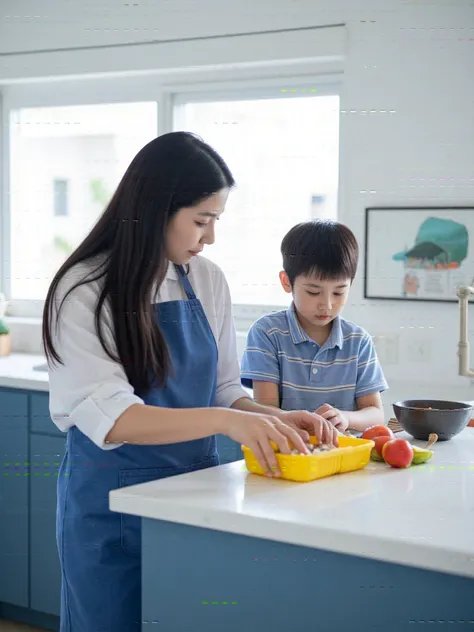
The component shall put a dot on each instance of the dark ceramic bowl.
(420, 417)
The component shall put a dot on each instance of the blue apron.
(99, 550)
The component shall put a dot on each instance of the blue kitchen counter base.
(32, 449)
(28, 617)
(224, 582)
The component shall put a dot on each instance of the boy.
(308, 356)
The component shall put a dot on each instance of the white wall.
(418, 63)
(412, 57)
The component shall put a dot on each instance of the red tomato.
(377, 431)
(398, 453)
(378, 447)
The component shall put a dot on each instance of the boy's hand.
(336, 417)
(306, 423)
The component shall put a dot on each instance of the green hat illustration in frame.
(438, 241)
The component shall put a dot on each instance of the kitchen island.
(380, 549)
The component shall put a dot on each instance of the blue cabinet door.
(14, 498)
(45, 586)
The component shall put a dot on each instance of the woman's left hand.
(306, 424)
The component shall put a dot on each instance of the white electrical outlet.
(418, 351)
(387, 347)
(379, 343)
(392, 349)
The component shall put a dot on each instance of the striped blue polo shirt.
(344, 368)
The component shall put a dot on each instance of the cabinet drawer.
(40, 418)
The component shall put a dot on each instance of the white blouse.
(89, 390)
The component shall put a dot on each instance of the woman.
(144, 371)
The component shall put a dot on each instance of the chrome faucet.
(463, 294)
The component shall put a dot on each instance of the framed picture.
(418, 253)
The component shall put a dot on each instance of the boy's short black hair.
(325, 248)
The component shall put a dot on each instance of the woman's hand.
(256, 430)
(335, 416)
(306, 423)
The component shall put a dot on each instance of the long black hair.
(174, 171)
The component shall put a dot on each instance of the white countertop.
(421, 517)
(16, 371)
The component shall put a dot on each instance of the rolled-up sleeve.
(88, 390)
(229, 388)
(370, 377)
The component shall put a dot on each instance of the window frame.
(170, 92)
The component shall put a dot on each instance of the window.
(81, 153)
(284, 154)
(61, 197)
(67, 146)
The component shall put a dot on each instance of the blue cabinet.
(45, 580)
(40, 419)
(32, 450)
(14, 498)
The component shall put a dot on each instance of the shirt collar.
(335, 337)
(171, 272)
(297, 332)
(299, 335)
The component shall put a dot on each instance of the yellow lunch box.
(351, 455)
